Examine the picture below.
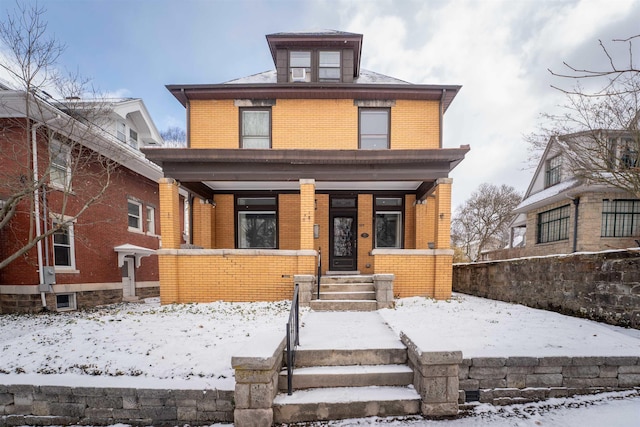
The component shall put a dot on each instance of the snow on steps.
(346, 293)
(348, 376)
(345, 402)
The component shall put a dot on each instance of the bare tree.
(597, 130)
(481, 223)
(174, 136)
(56, 159)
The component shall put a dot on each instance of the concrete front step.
(347, 376)
(358, 295)
(347, 357)
(346, 402)
(344, 305)
(346, 287)
(360, 278)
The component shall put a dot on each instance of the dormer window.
(329, 66)
(552, 174)
(300, 66)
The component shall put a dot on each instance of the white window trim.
(139, 229)
(151, 223)
(73, 304)
(69, 222)
(58, 147)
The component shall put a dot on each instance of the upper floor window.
(257, 222)
(300, 66)
(151, 220)
(63, 245)
(329, 66)
(60, 165)
(374, 128)
(121, 131)
(628, 154)
(552, 173)
(255, 128)
(620, 218)
(553, 225)
(388, 222)
(134, 213)
(133, 138)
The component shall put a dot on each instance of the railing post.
(293, 338)
(319, 269)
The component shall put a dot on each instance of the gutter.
(36, 209)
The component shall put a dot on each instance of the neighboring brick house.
(317, 155)
(108, 253)
(563, 213)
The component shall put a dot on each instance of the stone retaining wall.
(506, 380)
(603, 286)
(58, 405)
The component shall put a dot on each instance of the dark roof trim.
(183, 93)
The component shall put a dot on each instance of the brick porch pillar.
(307, 212)
(203, 214)
(169, 213)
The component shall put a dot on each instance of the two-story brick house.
(564, 211)
(316, 156)
(106, 254)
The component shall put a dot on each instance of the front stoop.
(346, 293)
(340, 384)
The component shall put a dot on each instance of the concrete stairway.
(347, 383)
(345, 293)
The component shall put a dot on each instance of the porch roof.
(205, 171)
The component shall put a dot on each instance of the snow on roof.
(365, 77)
(547, 193)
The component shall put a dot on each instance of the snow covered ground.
(190, 346)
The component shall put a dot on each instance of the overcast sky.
(499, 51)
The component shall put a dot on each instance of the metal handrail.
(293, 338)
(319, 269)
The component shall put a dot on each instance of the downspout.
(576, 203)
(441, 115)
(36, 196)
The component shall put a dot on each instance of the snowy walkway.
(346, 330)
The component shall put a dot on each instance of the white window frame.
(121, 131)
(324, 64)
(69, 224)
(300, 60)
(151, 220)
(139, 228)
(58, 151)
(73, 305)
(133, 138)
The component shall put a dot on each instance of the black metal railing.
(319, 269)
(293, 338)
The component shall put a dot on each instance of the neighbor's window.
(329, 66)
(374, 128)
(553, 225)
(257, 222)
(134, 210)
(388, 222)
(255, 128)
(300, 66)
(60, 165)
(552, 174)
(121, 131)
(66, 302)
(620, 218)
(151, 220)
(133, 138)
(63, 245)
(628, 154)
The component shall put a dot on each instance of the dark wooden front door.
(344, 240)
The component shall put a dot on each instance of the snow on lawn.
(487, 328)
(191, 345)
(134, 345)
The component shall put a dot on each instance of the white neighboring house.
(565, 213)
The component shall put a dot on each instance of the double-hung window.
(133, 138)
(553, 225)
(620, 218)
(60, 165)
(134, 213)
(552, 174)
(300, 66)
(151, 220)
(329, 66)
(121, 131)
(388, 222)
(374, 128)
(255, 128)
(63, 245)
(257, 222)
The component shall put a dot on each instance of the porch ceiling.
(203, 171)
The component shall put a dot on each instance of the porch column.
(203, 214)
(424, 231)
(443, 213)
(169, 213)
(307, 212)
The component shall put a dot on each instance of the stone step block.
(341, 296)
(344, 305)
(360, 278)
(348, 376)
(343, 403)
(346, 287)
(346, 357)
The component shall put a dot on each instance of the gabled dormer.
(316, 56)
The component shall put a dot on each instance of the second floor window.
(60, 165)
(121, 131)
(553, 225)
(329, 66)
(133, 138)
(300, 66)
(63, 245)
(374, 128)
(255, 128)
(134, 210)
(552, 174)
(628, 154)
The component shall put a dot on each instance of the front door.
(343, 223)
(128, 277)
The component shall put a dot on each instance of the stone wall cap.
(237, 252)
(412, 252)
(260, 353)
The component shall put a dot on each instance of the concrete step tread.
(348, 395)
(350, 370)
